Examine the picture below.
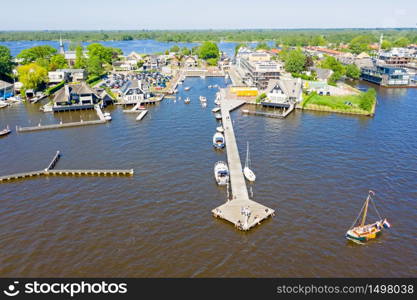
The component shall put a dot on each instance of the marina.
(155, 208)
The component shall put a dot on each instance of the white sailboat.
(246, 170)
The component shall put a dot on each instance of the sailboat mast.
(365, 211)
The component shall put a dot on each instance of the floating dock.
(240, 210)
(101, 120)
(50, 171)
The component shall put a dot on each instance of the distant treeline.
(290, 37)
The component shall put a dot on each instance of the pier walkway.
(240, 210)
(50, 171)
(66, 125)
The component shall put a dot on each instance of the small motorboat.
(218, 140)
(3, 104)
(203, 99)
(221, 173)
(187, 88)
(107, 116)
(362, 232)
(216, 109)
(218, 116)
(187, 100)
(5, 131)
(249, 175)
(210, 86)
(220, 129)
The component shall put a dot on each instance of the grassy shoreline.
(360, 104)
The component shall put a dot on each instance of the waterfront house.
(6, 89)
(190, 62)
(132, 92)
(386, 75)
(69, 75)
(283, 92)
(151, 62)
(75, 96)
(259, 73)
(397, 56)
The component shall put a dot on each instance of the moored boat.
(187, 100)
(3, 104)
(221, 173)
(216, 109)
(247, 171)
(187, 88)
(5, 131)
(107, 116)
(218, 140)
(365, 232)
(203, 99)
(218, 116)
(220, 129)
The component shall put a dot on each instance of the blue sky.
(208, 14)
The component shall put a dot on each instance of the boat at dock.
(365, 232)
(220, 129)
(203, 99)
(3, 104)
(187, 88)
(187, 100)
(249, 175)
(107, 116)
(141, 115)
(5, 131)
(217, 100)
(218, 116)
(218, 140)
(216, 109)
(221, 173)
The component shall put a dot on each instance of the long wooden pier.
(101, 120)
(240, 210)
(50, 171)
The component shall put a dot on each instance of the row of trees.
(293, 37)
(6, 64)
(37, 61)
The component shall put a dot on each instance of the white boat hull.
(249, 175)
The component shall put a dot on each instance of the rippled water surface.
(313, 168)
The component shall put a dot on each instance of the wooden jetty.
(240, 210)
(101, 120)
(50, 171)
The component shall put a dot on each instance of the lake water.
(314, 169)
(140, 46)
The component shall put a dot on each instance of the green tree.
(104, 54)
(262, 46)
(32, 75)
(58, 62)
(175, 49)
(37, 53)
(238, 46)
(185, 51)
(6, 64)
(402, 42)
(208, 50)
(352, 71)
(386, 45)
(94, 66)
(80, 60)
(295, 61)
(260, 98)
(333, 64)
(319, 40)
(140, 64)
(360, 43)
